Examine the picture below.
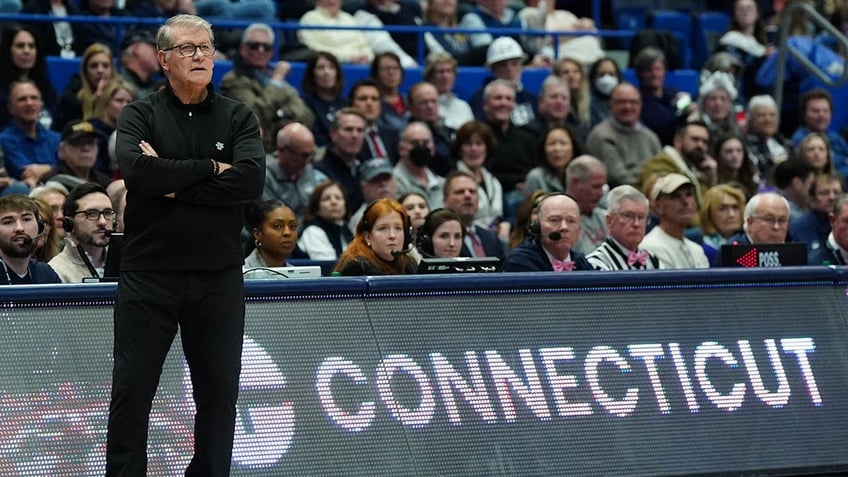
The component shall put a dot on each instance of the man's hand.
(32, 173)
(281, 70)
(709, 167)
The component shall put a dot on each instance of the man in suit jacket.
(460, 196)
(835, 249)
(556, 231)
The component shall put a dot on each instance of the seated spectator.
(441, 71)
(525, 214)
(50, 243)
(348, 46)
(488, 14)
(117, 94)
(661, 105)
(553, 18)
(746, 37)
(340, 162)
(117, 191)
(58, 36)
(88, 216)
(763, 139)
(23, 60)
(720, 217)
(377, 182)
(53, 194)
(461, 196)
(580, 107)
(604, 75)
(29, 148)
(454, 45)
(471, 148)
(793, 180)
(733, 164)
(813, 226)
(273, 226)
(441, 235)
(378, 248)
(83, 89)
(556, 232)
(674, 202)
(765, 220)
(289, 173)
(504, 58)
(554, 109)
(621, 140)
(20, 223)
(716, 98)
(626, 220)
(139, 63)
(77, 157)
(379, 13)
(556, 150)
(834, 251)
(325, 233)
(321, 91)
(89, 33)
(424, 108)
(381, 130)
(417, 209)
(218, 9)
(587, 181)
(815, 149)
(412, 172)
(387, 73)
(816, 113)
(254, 82)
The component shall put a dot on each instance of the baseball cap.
(137, 36)
(374, 167)
(503, 48)
(669, 183)
(76, 130)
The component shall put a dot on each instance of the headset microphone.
(555, 236)
(398, 253)
(29, 239)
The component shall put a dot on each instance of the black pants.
(208, 307)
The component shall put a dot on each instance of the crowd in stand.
(587, 173)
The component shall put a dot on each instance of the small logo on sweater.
(219, 145)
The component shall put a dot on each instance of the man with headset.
(556, 231)
(88, 220)
(20, 228)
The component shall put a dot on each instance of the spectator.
(460, 196)
(556, 150)
(504, 58)
(139, 63)
(424, 107)
(88, 216)
(604, 75)
(348, 46)
(58, 36)
(720, 217)
(19, 223)
(441, 71)
(289, 174)
(381, 130)
(793, 180)
(471, 147)
(53, 194)
(556, 232)
(416, 208)
(325, 233)
(29, 148)
(554, 109)
(689, 157)
(387, 73)
(587, 181)
(622, 141)
(378, 13)
(835, 250)
(321, 91)
(441, 235)
(763, 139)
(377, 181)
(733, 165)
(83, 89)
(662, 105)
(746, 37)
(626, 221)
(571, 71)
(22, 60)
(381, 236)
(524, 216)
(219, 9)
(716, 98)
(412, 171)
(254, 82)
(50, 243)
(77, 157)
(496, 14)
(340, 162)
(766, 220)
(443, 14)
(815, 149)
(117, 191)
(89, 33)
(813, 226)
(117, 94)
(816, 113)
(273, 226)
(674, 201)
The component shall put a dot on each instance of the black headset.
(534, 228)
(72, 202)
(424, 239)
(365, 226)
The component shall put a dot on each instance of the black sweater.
(199, 228)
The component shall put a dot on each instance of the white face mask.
(605, 84)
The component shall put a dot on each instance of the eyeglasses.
(630, 218)
(306, 156)
(771, 220)
(188, 49)
(258, 45)
(94, 214)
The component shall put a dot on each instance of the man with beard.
(688, 157)
(412, 173)
(88, 216)
(20, 225)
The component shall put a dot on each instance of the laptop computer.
(278, 273)
(459, 265)
(764, 255)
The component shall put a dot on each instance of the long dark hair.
(747, 171)
(309, 84)
(38, 74)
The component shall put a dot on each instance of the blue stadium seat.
(709, 26)
(679, 24)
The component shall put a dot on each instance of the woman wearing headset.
(383, 238)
